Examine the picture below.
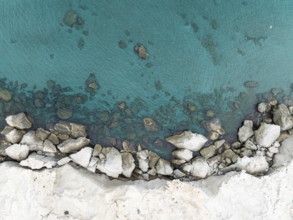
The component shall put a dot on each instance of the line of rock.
(196, 156)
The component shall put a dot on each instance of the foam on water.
(200, 52)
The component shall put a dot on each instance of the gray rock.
(179, 161)
(62, 127)
(82, 157)
(36, 162)
(245, 131)
(72, 145)
(229, 154)
(14, 136)
(188, 140)
(19, 121)
(78, 130)
(17, 151)
(111, 165)
(216, 126)
(5, 95)
(54, 139)
(127, 164)
(97, 150)
(153, 159)
(283, 117)
(183, 154)
(42, 134)
(208, 151)
(31, 140)
(214, 136)
(263, 107)
(250, 145)
(164, 167)
(49, 147)
(267, 134)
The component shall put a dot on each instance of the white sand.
(47, 194)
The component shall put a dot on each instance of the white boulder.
(36, 162)
(188, 140)
(82, 157)
(163, 167)
(266, 134)
(17, 151)
(245, 131)
(183, 154)
(127, 164)
(31, 140)
(19, 121)
(253, 165)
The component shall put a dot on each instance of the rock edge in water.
(195, 156)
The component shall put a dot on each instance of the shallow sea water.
(201, 53)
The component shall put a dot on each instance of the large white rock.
(72, 145)
(183, 154)
(112, 163)
(266, 134)
(17, 151)
(285, 154)
(14, 136)
(283, 117)
(198, 168)
(245, 131)
(19, 121)
(82, 157)
(163, 167)
(188, 140)
(31, 140)
(143, 161)
(253, 165)
(36, 162)
(127, 164)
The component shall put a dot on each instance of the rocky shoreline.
(195, 157)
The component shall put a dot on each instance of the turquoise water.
(200, 54)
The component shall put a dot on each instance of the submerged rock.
(19, 121)
(72, 145)
(5, 95)
(150, 124)
(78, 130)
(188, 140)
(17, 151)
(267, 134)
(141, 51)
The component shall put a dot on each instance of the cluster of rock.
(195, 156)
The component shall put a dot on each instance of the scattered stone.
(5, 95)
(283, 117)
(19, 121)
(64, 161)
(253, 165)
(163, 167)
(82, 157)
(188, 140)
(49, 147)
(72, 145)
(263, 107)
(78, 130)
(183, 154)
(141, 51)
(267, 134)
(17, 151)
(111, 165)
(36, 162)
(245, 131)
(127, 164)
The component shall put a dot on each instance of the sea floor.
(207, 60)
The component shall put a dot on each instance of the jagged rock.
(178, 173)
(72, 145)
(64, 113)
(19, 121)
(49, 147)
(111, 165)
(14, 136)
(17, 151)
(216, 126)
(208, 151)
(54, 139)
(250, 145)
(183, 154)
(229, 154)
(93, 164)
(127, 164)
(283, 117)
(153, 159)
(267, 134)
(5, 95)
(64, 161)
(78, 130)
(143, 162)
(36, 162)
(82, 157)
(42, 134)
(188, 140)
(198, 168)
(253, 165)
(163, 167)
(31, 140)
(97, 150)
(3, 145)
(245, 131)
